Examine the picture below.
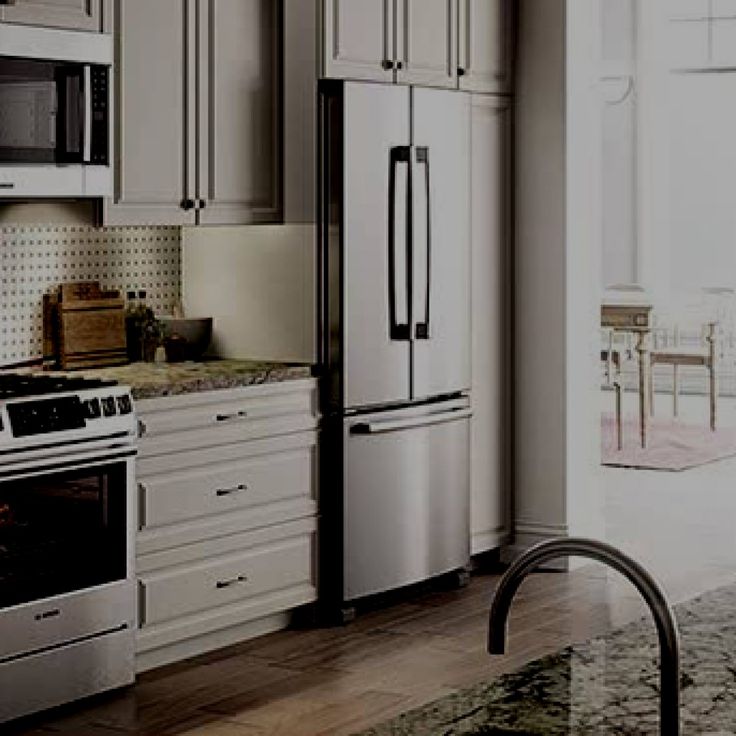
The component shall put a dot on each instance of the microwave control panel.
(100, 115)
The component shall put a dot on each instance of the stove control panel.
(43, 416)
(64, 413)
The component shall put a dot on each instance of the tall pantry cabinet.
(462, 44)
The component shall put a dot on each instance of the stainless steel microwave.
(55, 113)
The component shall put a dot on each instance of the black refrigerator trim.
(330, 266)
(330, 338)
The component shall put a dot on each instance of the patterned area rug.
(673, 445)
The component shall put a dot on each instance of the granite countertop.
(609, 685)
(154, 380)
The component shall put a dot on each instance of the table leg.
(619, 418)
(643, 350)
(675, 389)
(712, 371)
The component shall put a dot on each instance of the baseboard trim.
(529, 533)
(488, 540)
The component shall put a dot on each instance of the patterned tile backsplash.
(35, 260)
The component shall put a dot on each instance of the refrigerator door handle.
(398, 330)
(396, 425)
(421, 330)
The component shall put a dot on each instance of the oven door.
(66, 555)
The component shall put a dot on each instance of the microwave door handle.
(87, 114)
(398, 331)
(422, 328)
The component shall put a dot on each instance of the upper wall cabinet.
(359, 39)
(196, 112)
(485, 33)
(77, 15)
(433, 43)
(426, 42)
(407, 41)
(238, 124)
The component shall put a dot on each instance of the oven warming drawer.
(66, 674)
(38, 625)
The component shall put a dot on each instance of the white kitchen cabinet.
(485, 34)
(433, 43)
(405, 41)
(426, 42)
(155, 114)
(227, 484)
(358, 39)
(197, 113)
(491, 327)
(76, 15)
(238, 115)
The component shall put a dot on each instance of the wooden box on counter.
(84, 327)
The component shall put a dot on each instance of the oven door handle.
(34, 467)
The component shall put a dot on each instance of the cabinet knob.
(187, 204)
(387, 64)
(142, 429)
(460, 72)
(202, 203)
(399, 64)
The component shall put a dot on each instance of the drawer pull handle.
(233, 581)
(231, 417)
(230, 491)
(142, 428)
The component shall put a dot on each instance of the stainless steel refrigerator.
(394, 237)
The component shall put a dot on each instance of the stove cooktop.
(19, 385)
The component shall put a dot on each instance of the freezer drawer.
(406, 496)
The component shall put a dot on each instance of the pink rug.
(673, 445)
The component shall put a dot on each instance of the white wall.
(257, 283)
(557, 251)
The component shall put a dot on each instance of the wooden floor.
(341, 680)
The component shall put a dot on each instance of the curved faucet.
(669, 645)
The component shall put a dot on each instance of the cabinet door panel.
(490, 190)
(427, 42)
(485, 45)
(154, 99)
(358, 38)
(78, 15)
(238, 137)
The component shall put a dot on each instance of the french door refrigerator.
(395, 337)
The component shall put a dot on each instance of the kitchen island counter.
(609, 685)
(156, 380)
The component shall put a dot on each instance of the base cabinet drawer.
(220, 581)
(205, 491)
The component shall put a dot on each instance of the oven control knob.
(108, 406)
(125, 405)
(92, 409)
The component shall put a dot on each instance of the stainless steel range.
(67, 525)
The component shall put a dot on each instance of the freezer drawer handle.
(233, 581)
(397, 425)
(399, 154)
(230, 491)
(421, 331)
